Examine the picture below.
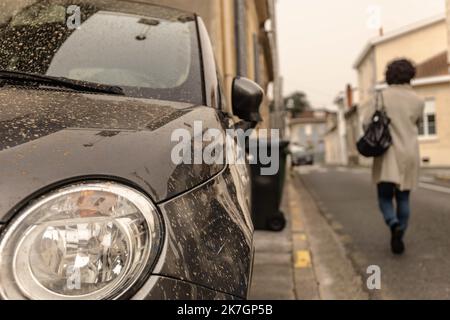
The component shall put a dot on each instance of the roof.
(397, 33)
(311, 116)
(435, 66)
(431, 71)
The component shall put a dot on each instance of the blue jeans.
(386, 194)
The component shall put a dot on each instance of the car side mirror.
(247, 97)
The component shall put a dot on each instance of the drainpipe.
(278, 116)
(240, 36)
(228, 48)
(447, 2)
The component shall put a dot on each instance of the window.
(427, 126)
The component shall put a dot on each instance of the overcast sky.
(320, 39)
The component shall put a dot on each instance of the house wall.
(333, 154)
(418, 46)
(257, 66)
(335, 137)
(352, 134)
(366, 77)
(437, 149)
(333, 141)
(310, 135)
(448, 28)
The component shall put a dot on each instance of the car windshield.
(149, 51)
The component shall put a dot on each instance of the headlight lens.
(86, 241)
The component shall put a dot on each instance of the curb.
(334, 269)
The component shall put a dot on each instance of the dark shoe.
(397, 245)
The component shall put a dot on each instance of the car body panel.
(211, 228)
(54, 137)
(164, 288)
(51, 137)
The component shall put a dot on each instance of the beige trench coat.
(401, 163)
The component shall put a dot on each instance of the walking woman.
(396, 173)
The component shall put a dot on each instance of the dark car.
(91, 204)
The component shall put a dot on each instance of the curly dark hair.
(400, 71)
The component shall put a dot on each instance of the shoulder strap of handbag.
(380, 99)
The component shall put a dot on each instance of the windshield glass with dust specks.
(149, 51)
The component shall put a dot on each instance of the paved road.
(346, 197)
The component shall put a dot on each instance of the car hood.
(50, 138)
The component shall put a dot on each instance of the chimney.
(381, 32)
(349, 93)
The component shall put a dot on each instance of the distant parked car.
(300, 156)
(91, 204)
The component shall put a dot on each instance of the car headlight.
(85, 241)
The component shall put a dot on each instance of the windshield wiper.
(77, 85)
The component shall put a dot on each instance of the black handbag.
(377, 138)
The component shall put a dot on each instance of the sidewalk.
(273, 276)
(307, 260)
(436, 176)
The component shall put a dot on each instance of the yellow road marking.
(298, 237)
(302, 259)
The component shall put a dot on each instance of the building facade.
(426, 44)
(334, 154)
(344, 129)
(308, 131)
